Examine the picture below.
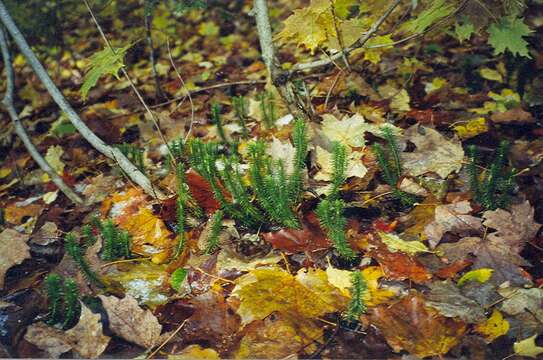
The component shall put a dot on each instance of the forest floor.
(439, 270)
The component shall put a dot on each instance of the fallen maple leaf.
(263, 291)
(494, 327)
(409, 325)
(499, 250)
(528, 347)
(129, 321)
(277, 337)
(13, 251)
(434, 153)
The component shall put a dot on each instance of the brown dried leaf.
(499, 250)
(512, 116)
(132, 323)
(446, 298)
(85, 338)
(454, 218)
(13, 250)
(434, 153)
(309, 238)
(409, 325)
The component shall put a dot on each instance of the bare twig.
(184, 88)
(358, 44)
(132, 85)
(7, 103)
(148, 19)
(339, 36)
(113, 153)
(281, 82)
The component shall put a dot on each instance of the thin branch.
(358, 44)
(7, 103)
(148, 19)
(132, 85)
(192, 110)
(111, 152)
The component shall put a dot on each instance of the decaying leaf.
(350, 131)
(499, 250)
(268, 338)
(454, 218)
(494, 327)
(129, 321)
(13, 250)
(518, 300)
(528, 347)
(355, 167)
(446, 298)
(213, 321)
(195, 352)
(85, 338)
(395, 243)
(409, 325)
(263, 291)
(434, 153)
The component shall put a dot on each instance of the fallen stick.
(113, 153)
(7, 103)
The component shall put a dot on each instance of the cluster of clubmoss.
(493, 188)
(62, 301)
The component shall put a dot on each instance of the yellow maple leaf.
(374, 55)
(494, 327)
(480, 275)
(472, 128)
(306, 295)
(394, 243)
(528, 347)
(342, 279)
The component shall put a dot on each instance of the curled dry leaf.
(434, 153)
(129, 321)
(13, 250)
(85, 338)
(409, 325)
(452, 218)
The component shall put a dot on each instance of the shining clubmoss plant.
(74, 250)
(71, 302)
(217, 121)
(214, 236)
(391, 166)
(53, 285)
(330, 210)
(134, 154)
(357, 305)
(240, 109)
(62, 300)
(271, 186)
(267, 108)
(299, 139)
(88, 235)
(204, 158)
(494, 188)
(116, 242)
